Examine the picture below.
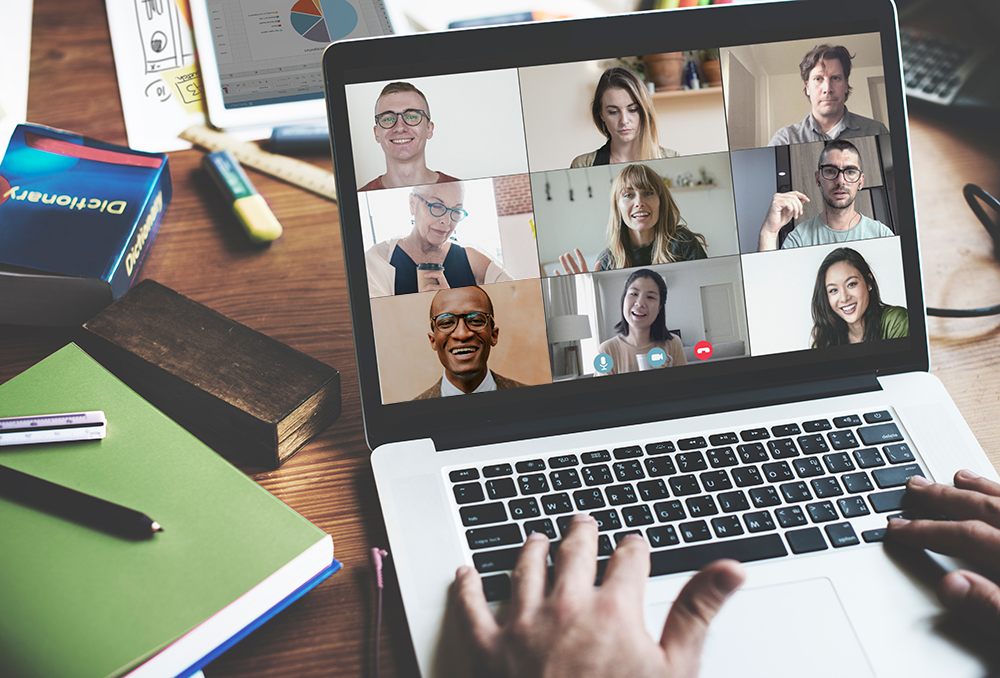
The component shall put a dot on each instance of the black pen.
(76, 506)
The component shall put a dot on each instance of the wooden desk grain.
(295, 291)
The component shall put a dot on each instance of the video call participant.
(463, 330)
(839, 177)
(847, 307)
(826, 71)
(436, 211)
(624, 114)
(644, 226)
(643, 326)
(402, 128)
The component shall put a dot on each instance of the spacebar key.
(695, 557)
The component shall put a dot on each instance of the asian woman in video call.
(624, 114)
(643, 326)
(847, 307)
(644, 226)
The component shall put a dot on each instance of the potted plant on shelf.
(665, 70)
(711, 69)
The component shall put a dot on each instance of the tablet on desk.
(261, 59)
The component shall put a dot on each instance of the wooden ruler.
(290, 170)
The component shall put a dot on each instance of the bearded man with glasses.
(463, 331)
(402, 128)
(839, 177)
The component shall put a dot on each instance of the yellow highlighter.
(248, 205)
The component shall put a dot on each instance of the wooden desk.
(295, 291)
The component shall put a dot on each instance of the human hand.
(573, 264)
(784, 207)
(431, 281)
(573, 629)
(972, 533)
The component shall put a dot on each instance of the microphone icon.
(603, 363)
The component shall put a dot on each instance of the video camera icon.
(603, 363)
(656, 357)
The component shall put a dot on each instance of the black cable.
(973, 194)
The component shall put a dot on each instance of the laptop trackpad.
(781, 629)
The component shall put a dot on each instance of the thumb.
(698, 603)
(973, 596)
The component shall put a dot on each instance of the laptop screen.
(586, 226)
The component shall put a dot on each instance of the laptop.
(745, 431)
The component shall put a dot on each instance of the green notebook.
(75, 601)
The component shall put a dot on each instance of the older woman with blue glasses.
(428, 259)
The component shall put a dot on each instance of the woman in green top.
(846, 305)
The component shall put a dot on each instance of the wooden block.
(250, 397)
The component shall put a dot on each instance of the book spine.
(143, 234)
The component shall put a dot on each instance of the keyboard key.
(730, 502)
(660, 448)
(628, 452)
(660, 466)
(696, 531)
(496, 561)
(785, 430)
(556, 503)
(637, 515)
(488, 537)
(500, 488)
(483, 514)
(790, 516)
(524, 508)
(841, 534)
(536, 483)
(752, 453)
(878, 417)
(563, 461)
(883, 502)
(826, 487)
(720, 457)
(604, 547)
(848, 421)
(822, 511)
(812, 444)
(895, 476)
(497, 470)
(842, 440)
(794, 492)
(746, 476)
(651, 490)
(468, 493)
(764, 496)
(588, 499)
(806, 541)
(664, 535)
(564, 523)
(873, 535)
(620, 494)
(692, 443)
(715, 481)
(898, 453)
(687, 558)
(597, 475)
(684, 485)
(463, 475)
(667, 511)
(816, 425)
(496, 587)
(629, 470)
(723, 439)
(727, 526)
(783, 448)
(880, 433)
(838, 462)
(758, 522)
(754, 434)
(544, 526)
(690, 461)
(869, 457)
(565, 480)
(852, 507)
(595, 457)
(606, 520)
(808, 467)
(621, 535)
(701, 506)
(777, 471)
(530, 465)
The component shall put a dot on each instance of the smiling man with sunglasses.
(839, 177)
(402, 127)
(463, 331)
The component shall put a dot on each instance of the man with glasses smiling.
(402, 127)
(839, 177)
(463, 330)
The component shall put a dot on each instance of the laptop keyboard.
(935, 68)
(767, 492)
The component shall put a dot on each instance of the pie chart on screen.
(324, 20)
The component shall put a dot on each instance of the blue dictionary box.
(77, 219)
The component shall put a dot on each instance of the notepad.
(80, 602)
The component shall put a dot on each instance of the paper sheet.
(156, 63)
